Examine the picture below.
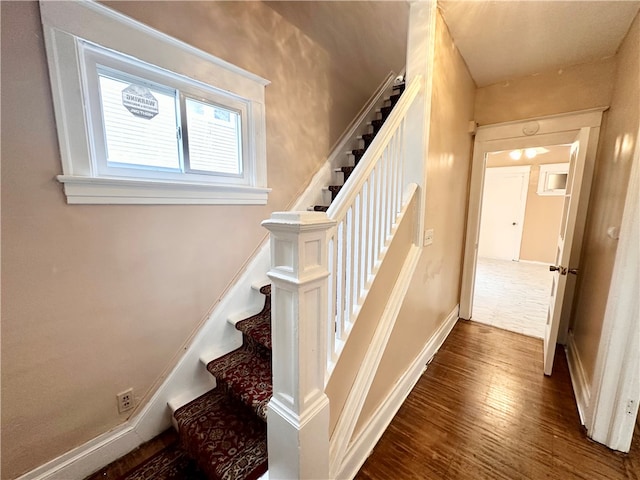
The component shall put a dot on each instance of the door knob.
(573, 271)
(559, 268)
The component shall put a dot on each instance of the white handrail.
(365, 211)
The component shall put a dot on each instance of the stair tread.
(258, 328)
(227, 439)
(247, 377)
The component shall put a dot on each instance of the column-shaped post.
(298, 414)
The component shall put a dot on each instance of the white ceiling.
(501, 40)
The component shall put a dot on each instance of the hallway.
(484, 410)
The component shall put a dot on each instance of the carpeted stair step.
(346, 172)
(394, 99)
(225, 437)
(357, 154)
(334, 189)
(399, 88)
(320, 208)
(257, 328)
(368, 138)
(385, 111)
(377, 124)
(246, 376)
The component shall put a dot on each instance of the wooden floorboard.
(484, 410)
(135, 458)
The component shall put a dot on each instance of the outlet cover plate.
(125, 401)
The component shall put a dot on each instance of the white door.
(561, 291)
(504, 200)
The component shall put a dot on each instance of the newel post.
(298, 414)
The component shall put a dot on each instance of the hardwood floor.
(484, 410)
(120, 467)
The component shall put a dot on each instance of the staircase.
(354, 156)
(225, 429)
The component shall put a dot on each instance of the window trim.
(65, 25)
(545, 170)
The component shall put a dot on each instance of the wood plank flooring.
(484, 410)
(133, 459)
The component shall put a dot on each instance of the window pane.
(557, 181)
(214, 138)
(140, 125)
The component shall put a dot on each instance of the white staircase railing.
(365, 211)
(322, 266)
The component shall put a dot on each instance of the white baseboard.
(581, 388)
(97, 452)
(362, 446)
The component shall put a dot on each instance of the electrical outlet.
(125, 400)
(428, 237)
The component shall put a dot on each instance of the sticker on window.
(140, 101)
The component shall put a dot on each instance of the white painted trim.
(102, 450)
(533, 262)
(579, 380)
(65, 25)
(359, 450)
(540, 126)
(536, 132)
(362, 384)
(107, 190)
(613, 412)
(544, 171)
(65, 18)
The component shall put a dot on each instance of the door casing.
(529, 133)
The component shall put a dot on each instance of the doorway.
(521, 211)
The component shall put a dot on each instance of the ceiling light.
(515, 154)
(530, 152)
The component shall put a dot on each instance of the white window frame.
(68, 26)
(543, 178)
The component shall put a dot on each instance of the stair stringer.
(314, 194)
(352, 407)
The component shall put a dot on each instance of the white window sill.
(108, 190)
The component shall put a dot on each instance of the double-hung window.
(188, 130)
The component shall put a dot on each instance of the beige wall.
(434, 290)
(97, 299)
(611, 177)
(574, 88)
(542, 212)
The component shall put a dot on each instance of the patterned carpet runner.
(225, 430)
